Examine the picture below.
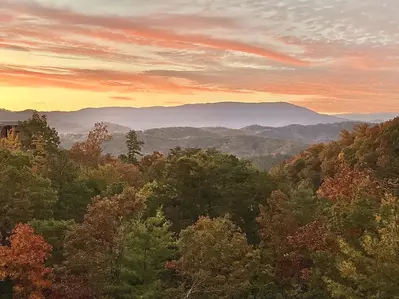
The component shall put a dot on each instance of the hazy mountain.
(306, 134)
(244, 146)
(370, 117)
(264, 146)
(228, 114)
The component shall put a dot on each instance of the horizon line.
(192, 104)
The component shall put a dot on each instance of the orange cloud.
(94, 80)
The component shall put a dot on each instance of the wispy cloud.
(133, 29)
(121, 98)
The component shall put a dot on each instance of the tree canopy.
(195, 223)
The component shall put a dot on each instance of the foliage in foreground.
(78, 224)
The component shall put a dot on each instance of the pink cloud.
(134, 29)
(122, 98)
(6, 17)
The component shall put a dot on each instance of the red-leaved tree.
(23, 262)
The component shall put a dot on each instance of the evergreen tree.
(146, 247)
(134, 147)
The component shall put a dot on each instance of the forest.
(194, 223)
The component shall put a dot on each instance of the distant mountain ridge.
(225, 114)
(249, 141)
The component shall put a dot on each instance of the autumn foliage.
(195, 224)
(349, 184)
(89, 152)
(23, 262)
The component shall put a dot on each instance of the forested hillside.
(264, 146)
(82, 224)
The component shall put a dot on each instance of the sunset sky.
(332, 56)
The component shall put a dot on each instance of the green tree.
(24, 195)
(371, 270)
(147, 245)
(54, 232)
(198, 183)
(74, 191)
(37, 127)
(134, 147)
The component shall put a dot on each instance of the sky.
(332, 56)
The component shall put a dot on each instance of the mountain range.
(266, 133)
(227, 114)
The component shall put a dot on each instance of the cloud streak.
(121, 98)
(135, 29)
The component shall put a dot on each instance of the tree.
(216, 260)
(113, 174)
(147, 245)
(54, 232)
(355, 196)
(23, 262)
(92, 249)
(37, 127)
(295, 244)
(152, 166)
(134, 146)
(74, 191)
(372, 269)
(11, 142)
(276, 222)
(198, 183)
(88, 153)
(24, 195)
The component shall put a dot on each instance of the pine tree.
(134, 147)
(147, 246)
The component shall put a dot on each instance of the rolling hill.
(265, 146)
